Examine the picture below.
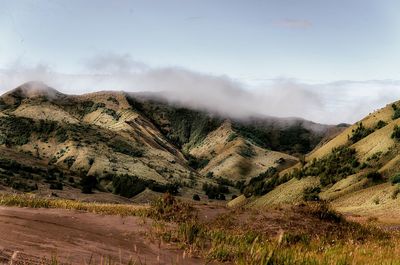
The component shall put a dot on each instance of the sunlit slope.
(367, 187)
(385, 114)
(233, 157)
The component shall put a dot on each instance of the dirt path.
(29, 235)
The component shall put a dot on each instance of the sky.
(328, 61)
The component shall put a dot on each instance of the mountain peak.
(34, 89)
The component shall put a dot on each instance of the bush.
(131, 185)
(215, 191)
(395, 192)
(380, 124)
(232, 137)
(247, 151)
(311, 194)
(396, 113)
(128, 186)
(123, 147)
(88, 183)
(395, 179)
(56, 186)
(263, 183)
(340, 163)
(168, 208)
(196, 197)
(197, 163)
(360, 132)
(396, 133)
(375, 176)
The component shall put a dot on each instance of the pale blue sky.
(330, 61)
(249, 40)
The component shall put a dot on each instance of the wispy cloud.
(343, 101)
(110, 63)
(293, 23)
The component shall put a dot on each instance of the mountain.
(130, 143)
(357, 171)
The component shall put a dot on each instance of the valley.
(124, 178)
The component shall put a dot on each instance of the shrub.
(215, 191)
(360, 132)
(210, 175)
(196, 197)
(168, 208)
(247, 151)
(395, 192)
(127, 186)
(340, 163)
(112, 113)
(197, 163)
(263, 183)
(396, 133)
(225, 181)
(232, 137)
(396, 113)
(88, 183)
(114, 100)
(375, 176)
(380, 124)
(395, 179)
(56, 186)
(131, 185)
(123, 147)
(311, 194)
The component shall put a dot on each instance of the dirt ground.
(27, 236)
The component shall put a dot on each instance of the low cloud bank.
(344, 101)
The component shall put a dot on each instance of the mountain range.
(113, 145)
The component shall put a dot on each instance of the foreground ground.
(29, 235)
(46, 231)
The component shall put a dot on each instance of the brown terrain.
(35, 236)
(32, 236)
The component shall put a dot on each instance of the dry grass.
(224, 240)
(32, 201)
(288, 192)
(348, 243)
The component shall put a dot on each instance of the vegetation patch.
(263, 183)
(380, 124)
(123, 147)
(360, 133)
(39, 202)
(114, 100)
(339, 164)
(130, 185)
(112, 113)
(396, 111)
(396, 133)
(216, 192)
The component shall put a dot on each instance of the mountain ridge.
(116, 137)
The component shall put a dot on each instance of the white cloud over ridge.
(332, 103)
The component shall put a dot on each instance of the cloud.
(293, 23)
(111, 63)
(344, 101)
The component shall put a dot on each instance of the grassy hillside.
(357, 171)
(114, 142)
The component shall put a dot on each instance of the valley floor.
(28, 236)
(55, 231)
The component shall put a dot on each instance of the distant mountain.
(126, 143)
